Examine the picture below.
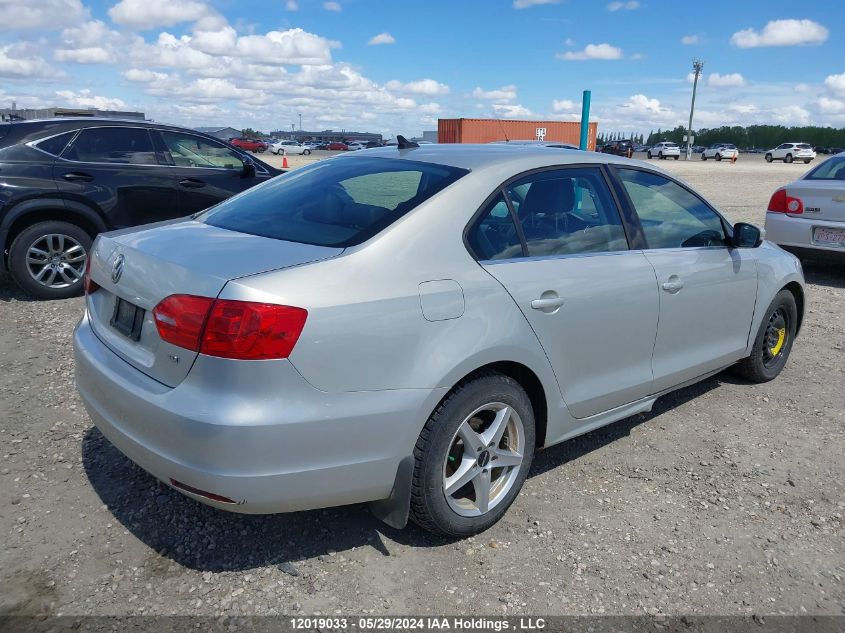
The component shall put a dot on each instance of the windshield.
(337, 202)
(831, 169)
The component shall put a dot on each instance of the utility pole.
(300, 121)
(697, 65)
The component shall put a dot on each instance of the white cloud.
(291, 5)
(332, 6)
(148, 14)
(630, 5)
(141, 75)
(569, 41)
(730, 80)
(84, 99)
(525, 4)
(801, 88)
(564, 105)
(781, 33)
(690, 39)
(382, 38)
(421, 87)
(835, 83)
(505, 93)
(511, 110)
(592, 51)
(90, 43)
(22, 61)
(831, 106)
(40, 14)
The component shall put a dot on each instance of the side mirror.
(747, 235)
(249, 168)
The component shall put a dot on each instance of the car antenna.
(502, 127)
(403, 143)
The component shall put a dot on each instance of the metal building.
(488, 130)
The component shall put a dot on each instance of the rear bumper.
(794, 233)
(253, 431)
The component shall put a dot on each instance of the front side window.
(338, 202)
(188, 150)
(671, 216)
(566, 212)
(126, 145)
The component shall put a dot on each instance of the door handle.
(192, 183)
(673, 284)
(76, 176)
(549, 303)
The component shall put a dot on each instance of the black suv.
(64, 180)
(619, 148)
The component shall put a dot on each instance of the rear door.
(206, 171)
(591, 301)
(117, 169)
(707, 289)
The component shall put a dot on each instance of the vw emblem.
(117, 268)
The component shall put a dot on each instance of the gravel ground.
(726, 499)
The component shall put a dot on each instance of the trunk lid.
(178, 257)
(823, 199)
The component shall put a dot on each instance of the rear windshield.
(831, 169)
(804, 146)
(336, 202)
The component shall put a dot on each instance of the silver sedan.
(408, 326)
(807, 217)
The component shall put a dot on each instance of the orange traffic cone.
(285, 162)
(733, 159)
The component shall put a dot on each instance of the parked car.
(372, 144)
(299, 387)
(698, 149)
(619, 148)
(788, 152)
(337, 146)
(807, 217)
(718, 151)
(249, 144)
(62, 181)
(356, 145)
(290, 147)
(665, 149)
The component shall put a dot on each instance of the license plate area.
(828, 236)
(127, 319)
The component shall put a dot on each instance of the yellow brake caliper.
(779, 345)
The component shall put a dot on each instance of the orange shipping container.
(488, 130)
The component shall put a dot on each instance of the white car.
(788, 152)
(718, 151)
(354, 145)
(290, 147)
(807, 217)
(665, 149)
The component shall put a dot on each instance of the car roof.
(476, 157)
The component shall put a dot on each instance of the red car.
(249, 144)
(338, 146)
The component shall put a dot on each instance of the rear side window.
(339, 202)
(56, 144)
(494, 236)
(126, 145)
(831, 169)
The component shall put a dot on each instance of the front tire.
(773, 342)
(649, 155)
(703, 157)
(307, 152)
(660, 155)
(769, 158)
(457, 488)
(718, 157)
(47, 259)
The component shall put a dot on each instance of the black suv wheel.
(48, 259)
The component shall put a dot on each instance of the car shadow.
(10, 291)
(822, 273)
(203, 538)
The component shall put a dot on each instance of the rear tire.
(649, 155)
(66, 248)
(676, 157)
(306, 152)
(660, 155)
(769, 158)
(806, 162)
(445, 461)
(718, 157)
(787, 158)
(703, 157)
(773, 342)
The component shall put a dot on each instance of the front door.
(707, 289)
(206, 171)
(591, 302)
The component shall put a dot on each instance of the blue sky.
(395, 66)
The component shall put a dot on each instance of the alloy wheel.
(56, 260)
(484, 459)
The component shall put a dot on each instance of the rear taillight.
(783, 203)
(242, 330)
(87, 283)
